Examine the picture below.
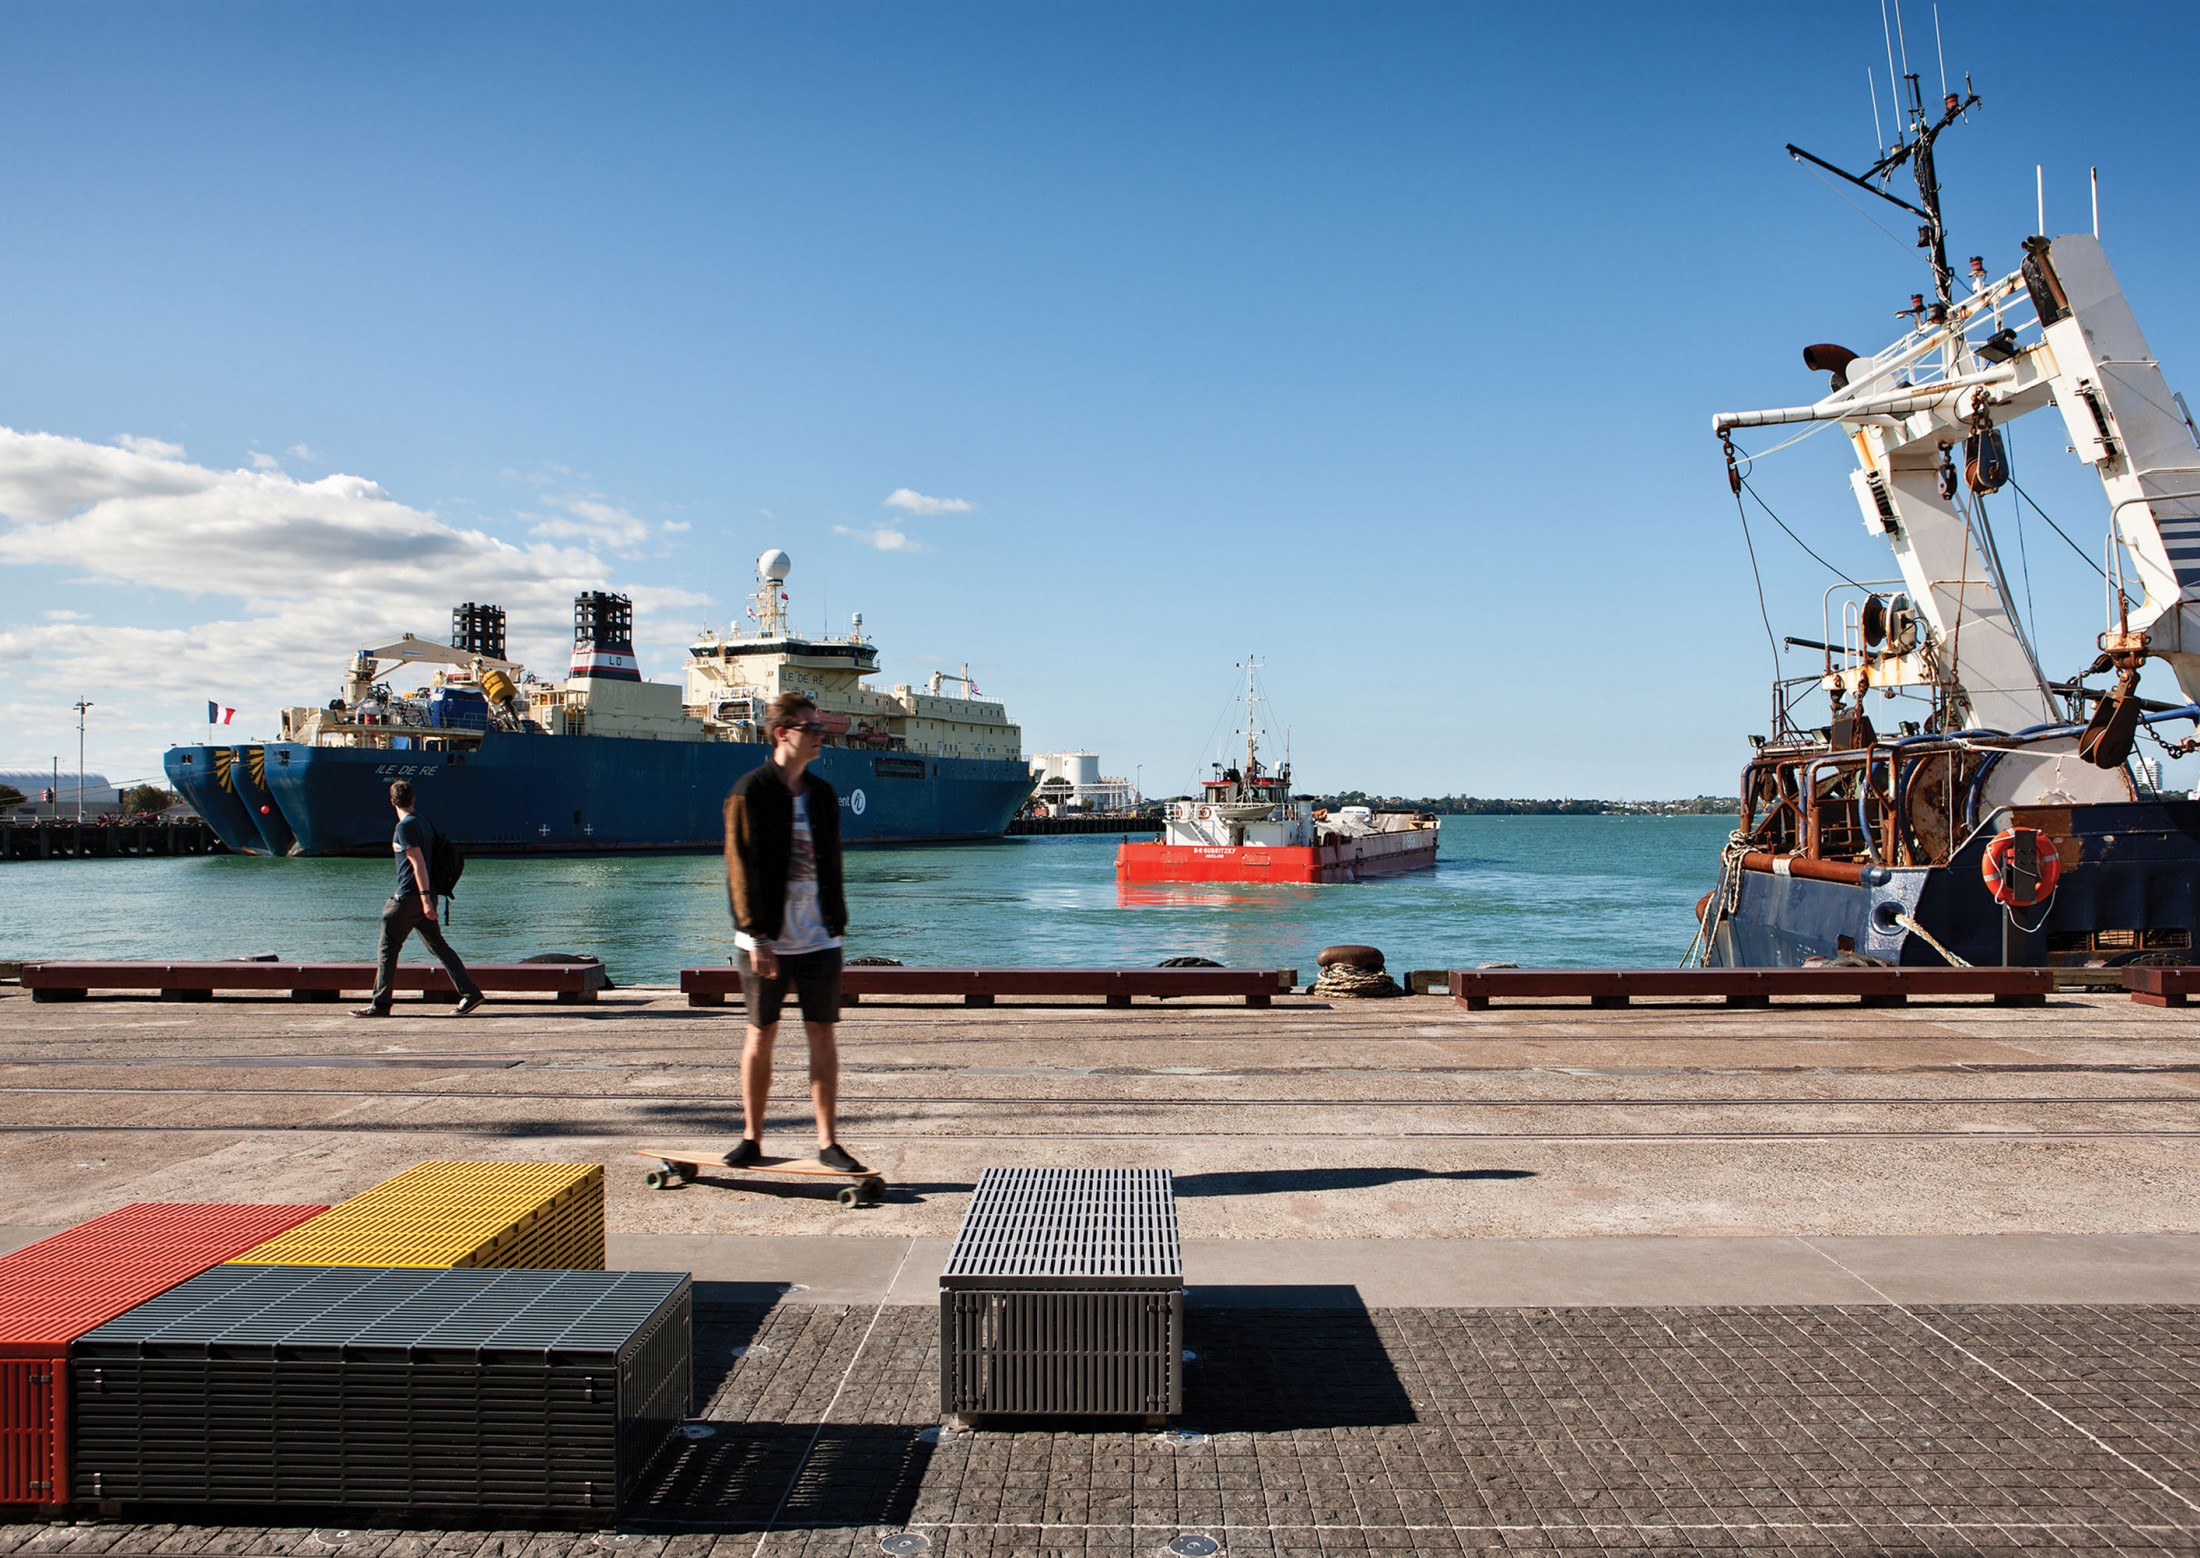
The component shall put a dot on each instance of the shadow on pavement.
(1262, 1182)
(1318, 1363)
(857, 1474)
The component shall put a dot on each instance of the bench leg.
(1887, 998)
(64, 993)
(1257, 998)
(978, 998)
(1474, 1003)
(187, 995)
(707, 998)
(1117, 998)
(850, 998)
(2143, 997)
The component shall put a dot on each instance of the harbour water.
(1548, 891)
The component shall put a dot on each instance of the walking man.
(413, 909)
(783, 879)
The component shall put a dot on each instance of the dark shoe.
(746, 1155)
(836, 1157)
(467, 1005)
(370, 1011)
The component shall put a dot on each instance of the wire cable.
(1772, 644)
(1798, 540)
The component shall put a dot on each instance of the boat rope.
(1722, 902)
(1348, 979)
(1734, 480)
(1929, 939)
(1750, 488)
(2081, 551)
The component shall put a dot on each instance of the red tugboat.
(1247, 827)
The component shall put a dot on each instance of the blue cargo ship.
(603, 760)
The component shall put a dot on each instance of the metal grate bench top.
(1068, 1229)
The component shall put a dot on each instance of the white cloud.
(151, 448)
(263, 461)
(312, 571)
(885, 538)
(302, 452)
(676, 527)
(593, 519)
(910, 501)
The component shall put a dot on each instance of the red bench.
(567, 982)
(1476, 988)
(980, 986)
(2154, 986)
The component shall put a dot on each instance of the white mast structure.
(2055, 331)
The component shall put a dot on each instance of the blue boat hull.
(541, 794)
(2137, 876)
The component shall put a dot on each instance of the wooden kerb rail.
(565, 982)
(1475, 989)
(980, 986)
(2153, 986)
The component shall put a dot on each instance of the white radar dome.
(774, 565)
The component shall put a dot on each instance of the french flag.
(217, 715)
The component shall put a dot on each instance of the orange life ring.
(1205, 812)
(1993, 867)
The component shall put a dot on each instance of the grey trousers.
(400, 918)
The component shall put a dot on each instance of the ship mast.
(1916, 149)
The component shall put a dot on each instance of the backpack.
(445, 866)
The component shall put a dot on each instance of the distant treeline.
(1487, 806)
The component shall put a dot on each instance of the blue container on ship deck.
(458, 708)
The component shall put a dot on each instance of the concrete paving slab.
(801, 1269)
(2024, 1269)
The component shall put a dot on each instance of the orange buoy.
(1994, 867)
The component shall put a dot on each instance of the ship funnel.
(479, 630)
(603, 637)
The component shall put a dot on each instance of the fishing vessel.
(1933, 793)
(601, 759)
(1247, 826)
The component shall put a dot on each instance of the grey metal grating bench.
(1064, 1296)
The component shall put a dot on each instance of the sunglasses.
(807, 728)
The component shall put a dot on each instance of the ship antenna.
(1916, 149)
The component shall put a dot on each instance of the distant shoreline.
(1485, 806)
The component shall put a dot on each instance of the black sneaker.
(467, 1005)
(747, 1155)
(370, 1011)
(836, 1157)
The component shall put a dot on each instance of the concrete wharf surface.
(1827, 1278)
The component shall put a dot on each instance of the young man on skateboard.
(413, 909)
(783, 879)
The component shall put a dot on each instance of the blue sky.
(1379, 340)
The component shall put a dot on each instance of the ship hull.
(1349, 860)
(2134, 890)
(540, 794)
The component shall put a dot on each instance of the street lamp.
(81, 706)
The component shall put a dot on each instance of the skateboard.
(679, 1165)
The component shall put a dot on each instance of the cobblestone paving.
(1952, 1430)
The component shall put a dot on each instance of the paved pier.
(1890, 1281)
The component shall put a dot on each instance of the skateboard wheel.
(850, 1196)
(657, 1179)
(874, 1191)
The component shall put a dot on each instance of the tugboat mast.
(1916, 149)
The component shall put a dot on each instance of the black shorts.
(815, 977)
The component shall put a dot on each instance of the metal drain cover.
(909, 1542)
(1194, 1546)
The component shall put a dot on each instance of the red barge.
(1246, 826)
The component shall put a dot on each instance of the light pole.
(81, 706)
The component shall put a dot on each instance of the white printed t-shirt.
(802, 925)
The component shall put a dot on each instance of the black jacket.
(760, 841)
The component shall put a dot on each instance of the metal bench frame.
(1475, 989)
(981, 986)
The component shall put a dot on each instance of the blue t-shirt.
(413, 832)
